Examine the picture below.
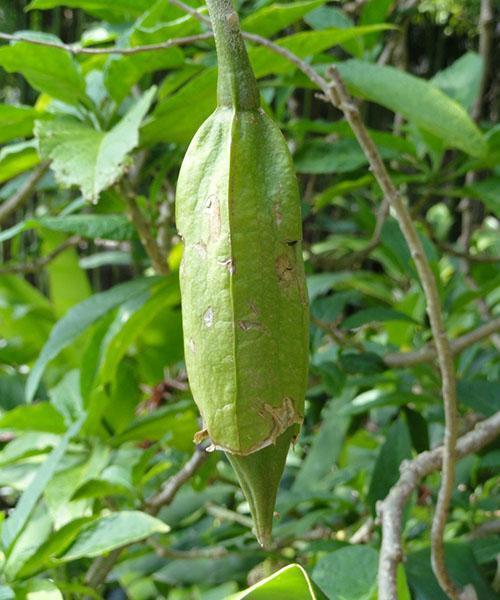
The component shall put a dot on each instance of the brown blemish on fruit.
(246, 325)
(284, 268)
(212, 209)
(229, 264)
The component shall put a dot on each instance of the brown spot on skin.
(229, 264)
(284, 268)
(212, 209)
(246, 325)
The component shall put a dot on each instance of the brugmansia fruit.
(244, 299)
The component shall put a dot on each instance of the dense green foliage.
(96, 412)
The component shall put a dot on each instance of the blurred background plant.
(104, 494)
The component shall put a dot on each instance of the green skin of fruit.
(244, 299)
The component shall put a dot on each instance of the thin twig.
(194, 553)
(24, 193)
(157, 259)
(391, 509)
(220, 512)
(172, 486)
(75, 50)
(43, 261)
(428, 353)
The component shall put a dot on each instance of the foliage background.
(93, 335)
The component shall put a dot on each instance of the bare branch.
(428, 353)
(24, 193)
(391, 509)
(175, 482)
(75, 50)
(43, 261)
(143, 229)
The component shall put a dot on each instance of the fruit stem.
(236, 85)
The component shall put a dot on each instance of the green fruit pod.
(244, 298)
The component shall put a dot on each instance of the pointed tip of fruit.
(259, 475)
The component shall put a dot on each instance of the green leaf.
(36, 531)
(486, 191)
(41, 416)
(56, 544)
(272, 18)
(462, 566)
(18, 518)
(107, 227)
(377, 314)
(161, 22)
(461, 80)
(172, 122)
(118, 10)
(110, 532)
(49, 70)
(68, 283)
(326, 445)
(419, 101)
(482, 396)
(396, 448)
(367, 363)
(16, 121)
(350, 573)
(290, 582)
(76, 322)
(17, 158)
(320, 157)
(176, 424)
(93, 160)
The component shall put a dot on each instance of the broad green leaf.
(76, 322)
(462, 79)
(326, 444)
(118, 10)
(487, 191)
(91, 159)
(482, 396)
(272, 18)
(376, 398)
(131, 320)
(41, 416)
(176, 424)
(68, 282)
(49, 70)
(396, 449)
(56, 544)
(171, 122)
(6, 593)
(375, 11)
(66, 398)
(462, 566)
(18, 518)
(107, 227)
(110, 532)
(38, 589)
(290, 582)
(36, 531)
(419, 101)
(16, 121)
(161, 22)
(375, 314)
(350, 573)
(367, 363)
(17, 158)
